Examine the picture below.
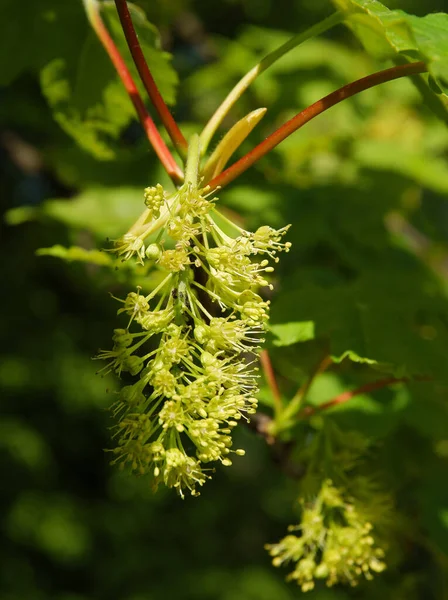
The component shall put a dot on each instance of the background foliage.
(364, 187)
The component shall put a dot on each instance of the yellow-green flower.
(334, 543)
(193, 340)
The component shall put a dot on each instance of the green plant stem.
(269, 374)
(215, 121)
(309, 113)
(285, 417)
(154, 137)
(193, 161)
(296, 402)
(180, 143)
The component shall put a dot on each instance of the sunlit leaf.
(387, 32)
(286, 334)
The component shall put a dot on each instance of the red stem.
(269, 374)
(308, 411)
(166, 117)
(154, 137)
(309, 113)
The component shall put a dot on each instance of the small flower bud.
(132, 395)
(153, 252)
(133, 364)
(122, 337)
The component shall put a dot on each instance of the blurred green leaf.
(106, 212)
(53, 523)
(75, 253)
(93, 130)
(385, 155)
(36, 33)
(25, 444)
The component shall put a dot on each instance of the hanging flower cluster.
(335, 543)
(191, 342)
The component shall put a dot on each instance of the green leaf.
(374, 414)
(383, 32)
(395, 319)
(105, 212)
(386, 33)
(38, 32)
(96, 128)
(410, 162)
(287, 334)
(21, 214)
(88, 100)
(431, 34)
(76, 253)
(354, 357)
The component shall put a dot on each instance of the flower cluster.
(335, 543)
(191, 342)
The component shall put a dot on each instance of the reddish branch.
(309, 113)
(269, 374)
(147, 79)
(308, 411)
(151, 131)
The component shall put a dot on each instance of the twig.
(281, 451)
(166, 117)
(269, 374)
(151, 131)
(308, 411)
(309, 113)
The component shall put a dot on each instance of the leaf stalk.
(180, 143)
(236, 93)
(309, 411)
(269, 374)
(154, 137)
(310, 113)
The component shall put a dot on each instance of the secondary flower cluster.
(335, 543)
(191, 342)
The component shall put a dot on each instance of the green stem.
(310, 113)
(297, 400)
(166, 117)
(267, 61)
(286, 417)
(154, 137)
(193, 160)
